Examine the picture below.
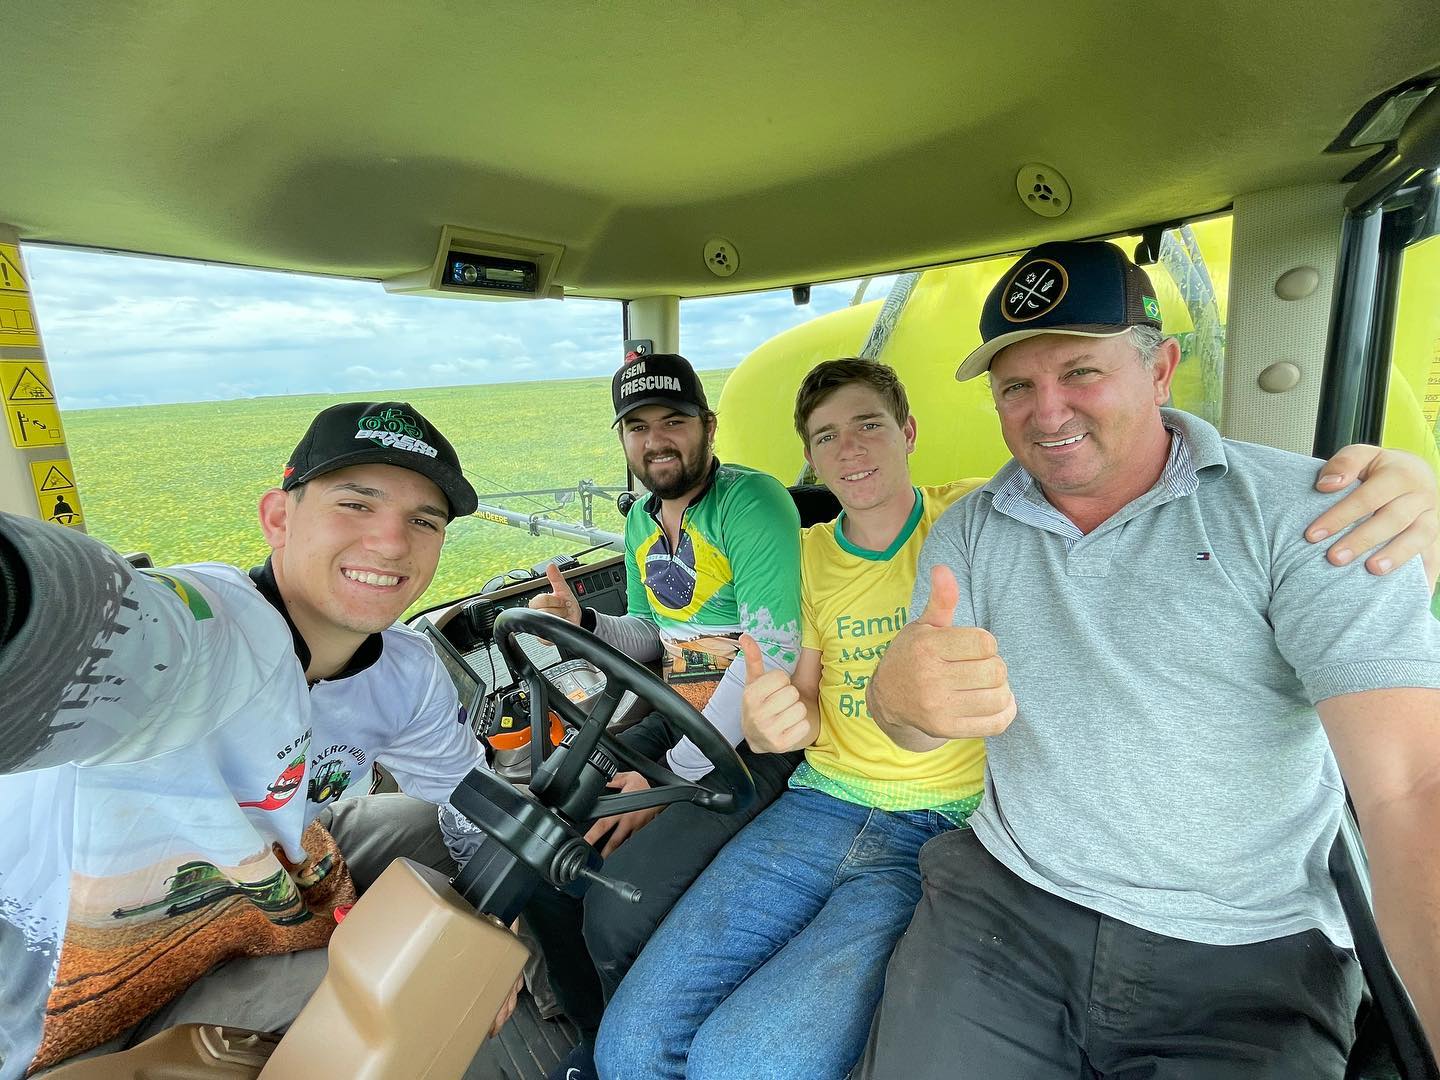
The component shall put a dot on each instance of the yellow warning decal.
(24, 382)
(54, 477)
(17, 322)
(55, 493)
(11, 279)
(34, 426)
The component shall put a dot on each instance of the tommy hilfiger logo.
(1202, 556)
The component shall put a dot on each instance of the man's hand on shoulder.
(773, 716)
(938, 681)
(1399, 492)
(560, 600)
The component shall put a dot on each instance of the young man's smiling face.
(858, 448)
(354, 548)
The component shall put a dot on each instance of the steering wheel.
(571, 777)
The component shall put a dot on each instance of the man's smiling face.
(1078, 412)
(669, 452)
(354, 548)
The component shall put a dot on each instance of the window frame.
(1374, 238)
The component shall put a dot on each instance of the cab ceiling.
(823, 140)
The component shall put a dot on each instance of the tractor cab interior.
(1278, 165)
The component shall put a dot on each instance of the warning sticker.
(25, 382)
(55, 492)
(52, 475)
(34, 425)
(17, 322)
(11, 280)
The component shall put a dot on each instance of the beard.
(676, 482)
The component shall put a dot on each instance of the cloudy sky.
(121, 330)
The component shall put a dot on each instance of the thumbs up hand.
(938, 681)
(559, 600)
(944, 598)
(773, 716)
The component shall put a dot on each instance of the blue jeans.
(772, 963)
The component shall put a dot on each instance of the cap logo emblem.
(1152, 307)
(392, 420)
(394, 429)
(1034, 290)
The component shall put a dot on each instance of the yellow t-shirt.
(854, 602)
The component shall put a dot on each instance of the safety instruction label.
(31, 412)
(17, 318)
(33, 426)
(26, 382)
(55, 492)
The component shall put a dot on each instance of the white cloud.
(125, 330)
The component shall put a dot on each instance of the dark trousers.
(999, 980)
(590, 944)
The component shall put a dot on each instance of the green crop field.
(182, 481)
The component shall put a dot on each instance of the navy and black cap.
(1084, 288)
(657, 379)
(380, 433)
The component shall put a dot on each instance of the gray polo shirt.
(1166, 766)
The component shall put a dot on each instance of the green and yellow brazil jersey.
(855, 602)
(735, 569)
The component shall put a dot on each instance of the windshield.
(184, 387)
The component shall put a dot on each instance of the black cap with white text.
(657, 379)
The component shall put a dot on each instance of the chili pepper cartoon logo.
(284, 787)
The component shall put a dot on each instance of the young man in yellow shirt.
(772, 963)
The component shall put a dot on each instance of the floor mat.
(526, 1049)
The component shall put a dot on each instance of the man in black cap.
(712, 553)
(343, 569)
(218, 717)
(1145, 888)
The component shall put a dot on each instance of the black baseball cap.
(657, 379)
(1084, 288)
(382, 433)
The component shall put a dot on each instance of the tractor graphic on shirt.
(328, 782)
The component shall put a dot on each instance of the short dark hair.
(825, 378)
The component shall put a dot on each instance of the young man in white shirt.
(157, 756)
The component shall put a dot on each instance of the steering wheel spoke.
(623, 802)
(563, 706)
(602, 708)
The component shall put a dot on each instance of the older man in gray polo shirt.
(1145, 892)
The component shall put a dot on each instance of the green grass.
(182, 481)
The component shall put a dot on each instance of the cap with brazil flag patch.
(1084, 288)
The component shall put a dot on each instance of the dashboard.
(469, 624)
(497, 708)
